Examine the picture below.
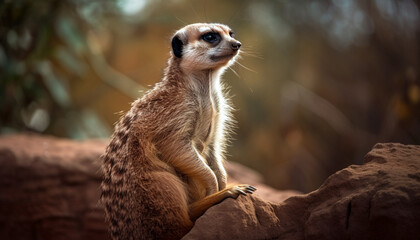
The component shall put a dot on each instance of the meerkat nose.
(236, 45)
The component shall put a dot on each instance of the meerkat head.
(204, 46)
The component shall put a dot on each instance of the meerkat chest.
(207, 121)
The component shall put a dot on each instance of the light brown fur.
(164, 165)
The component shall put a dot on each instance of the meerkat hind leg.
(198, 208)
(172, 205)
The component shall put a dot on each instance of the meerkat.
(164, 165)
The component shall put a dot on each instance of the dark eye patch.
(211, 37)
(232, 34)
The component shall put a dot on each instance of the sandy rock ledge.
(49, 189)
(377, 200)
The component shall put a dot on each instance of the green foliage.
(44, 51)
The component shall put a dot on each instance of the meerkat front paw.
(242, 189)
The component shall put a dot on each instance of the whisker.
(181, 20)
(248, 49)
(251, 55)
(205, 11)
(247, 68)
(194, 11)
(235, 13)
(234, 72)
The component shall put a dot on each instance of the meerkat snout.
(236, 45)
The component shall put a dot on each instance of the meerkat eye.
(232, 34)
(210, 37)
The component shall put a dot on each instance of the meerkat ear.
(177, 46)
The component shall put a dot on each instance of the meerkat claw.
(242, 192)
(249, 190)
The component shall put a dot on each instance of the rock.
(49, 189)
(377, 200)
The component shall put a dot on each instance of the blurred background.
(319, 82)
